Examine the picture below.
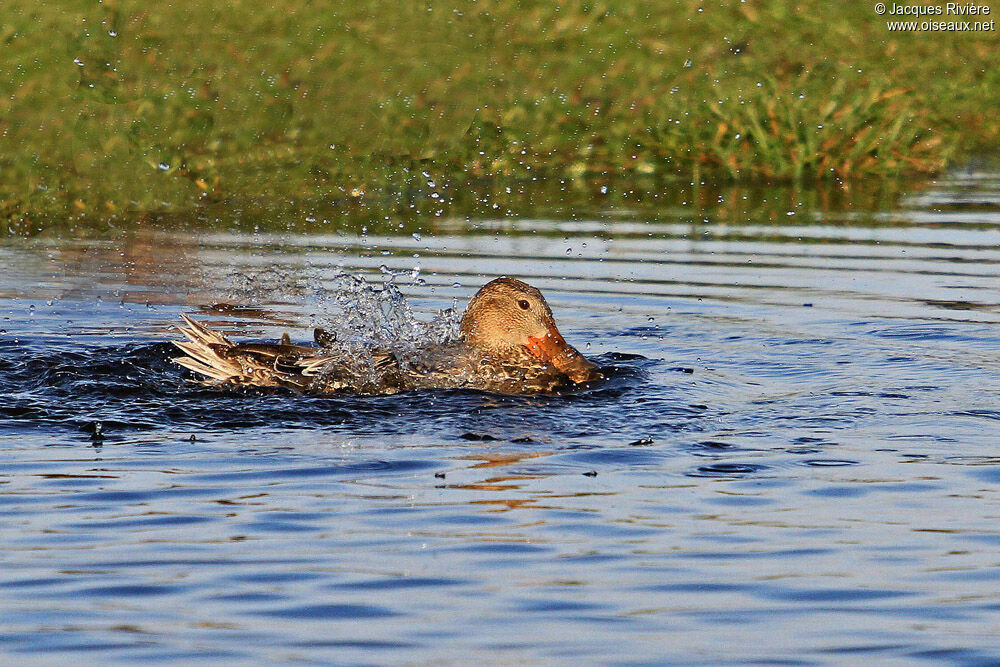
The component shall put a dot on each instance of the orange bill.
(555, 350)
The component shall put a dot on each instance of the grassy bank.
(117, 107)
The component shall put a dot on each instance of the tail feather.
(206, 356)
(210, 354)
(204, 369)
(200, 334)
(202, 347)
(214, 356)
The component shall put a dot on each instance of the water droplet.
(416, 236)
(163, 166)
(78, 62)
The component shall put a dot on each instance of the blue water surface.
(796, 456)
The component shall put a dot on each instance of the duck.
(508, 343)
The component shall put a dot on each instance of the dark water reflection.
(795, 458)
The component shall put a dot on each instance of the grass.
(115, 109)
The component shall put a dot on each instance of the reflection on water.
(794, 457)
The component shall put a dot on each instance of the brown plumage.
(509, 344)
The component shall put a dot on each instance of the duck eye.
(524, 305)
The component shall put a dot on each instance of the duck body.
(509, 344)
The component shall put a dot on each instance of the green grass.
(166, 107)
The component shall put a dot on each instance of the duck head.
(507, 314)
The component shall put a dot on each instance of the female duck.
(509, 343)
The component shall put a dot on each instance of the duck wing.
(211, 354)
(285, 364)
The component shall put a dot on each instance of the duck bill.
(556, 351)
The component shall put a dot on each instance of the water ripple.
(795, 446)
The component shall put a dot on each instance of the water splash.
(360, 316)
(260, 288)
(357, 317)
(379, 315)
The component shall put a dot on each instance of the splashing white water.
(378, 315)
(359, 317)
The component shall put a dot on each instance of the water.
(795, 458)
